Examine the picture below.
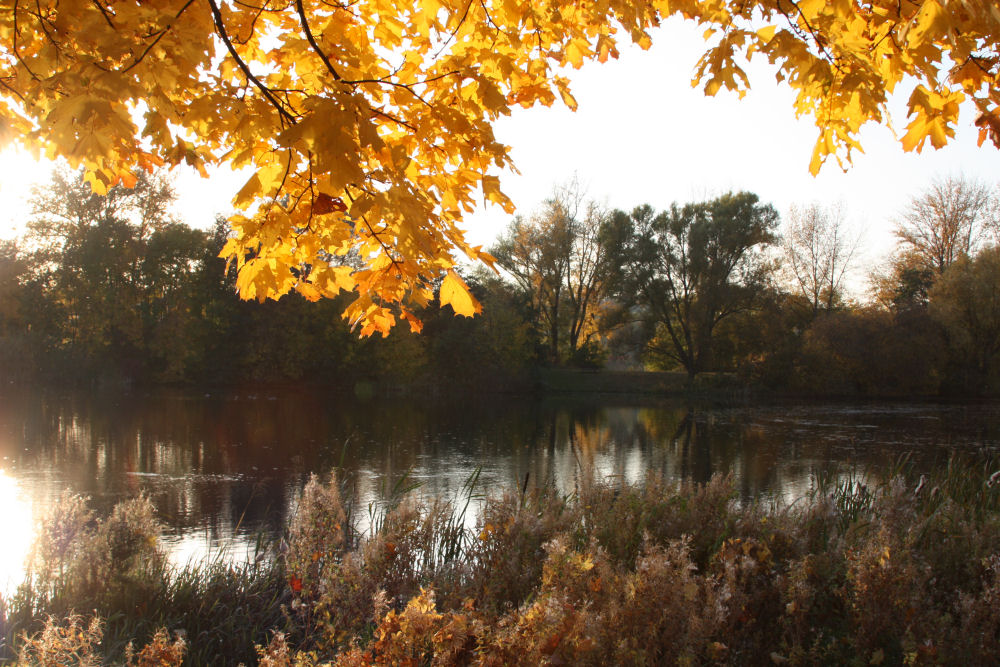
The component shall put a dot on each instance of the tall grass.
(897, 569)
(115, 571)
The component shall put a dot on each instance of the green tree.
(110, 275)
(694, 266)
(764, 343)
(494, 350)
(11, 267)
(872, 352)
(15, 358)
(171, 263)
(966, 301)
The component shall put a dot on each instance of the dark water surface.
(222, 468)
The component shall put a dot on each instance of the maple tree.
(368, 125)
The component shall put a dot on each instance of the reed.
(898, 568)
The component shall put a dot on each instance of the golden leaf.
(391, 106)
(455, 293)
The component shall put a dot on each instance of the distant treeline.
(113, 289)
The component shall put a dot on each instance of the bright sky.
(642, 134)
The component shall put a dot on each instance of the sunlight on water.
(17, 529)
(224, 471)
(196, 548)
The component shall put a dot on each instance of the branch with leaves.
(369, 126)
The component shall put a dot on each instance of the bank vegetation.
(897, 570)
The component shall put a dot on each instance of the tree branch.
(312, 40)
(163, 32)
(265, 91)
(104, 12)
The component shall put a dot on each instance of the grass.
(115, 570)
(903, 569)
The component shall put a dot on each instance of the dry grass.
(903, 571)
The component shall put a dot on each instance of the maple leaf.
(369, 126)
(989, 127)
(324, 204)
(455, 293)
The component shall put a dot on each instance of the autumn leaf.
(370, 131)
(455, 293)
(324, 204)
(989, 128)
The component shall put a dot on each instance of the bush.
(896, 571)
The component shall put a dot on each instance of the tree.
(966, 301)
(11, 268)
(694, 266)
(113, 274)
(495, 350)
(818, 250)
(903, 284)
(87, 255)
(368, 125)
(948, 221)
(871, 351)
(559, 258)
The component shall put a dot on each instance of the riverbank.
(901, 570)
(600, 381)
(539, 382)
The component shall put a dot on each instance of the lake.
(224, 467)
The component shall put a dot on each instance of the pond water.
(223, 468)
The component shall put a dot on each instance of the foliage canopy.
(693, 266)
(368, 125)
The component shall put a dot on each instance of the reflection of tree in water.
(211, 463)
(695, 443)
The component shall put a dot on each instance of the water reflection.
(223, 468)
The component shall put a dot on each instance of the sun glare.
(19, 171)
(18, 530)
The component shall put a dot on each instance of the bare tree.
(948, 221)
(819, 249)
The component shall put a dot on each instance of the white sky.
(642, 134)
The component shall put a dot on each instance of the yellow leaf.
(389, 108)
(455, 293)
(308, 290)
(248, 192)
(491, 190)
(567, 98)
(576, 50)
(932, 20)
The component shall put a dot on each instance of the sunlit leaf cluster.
(367, 126)
(846, 58)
